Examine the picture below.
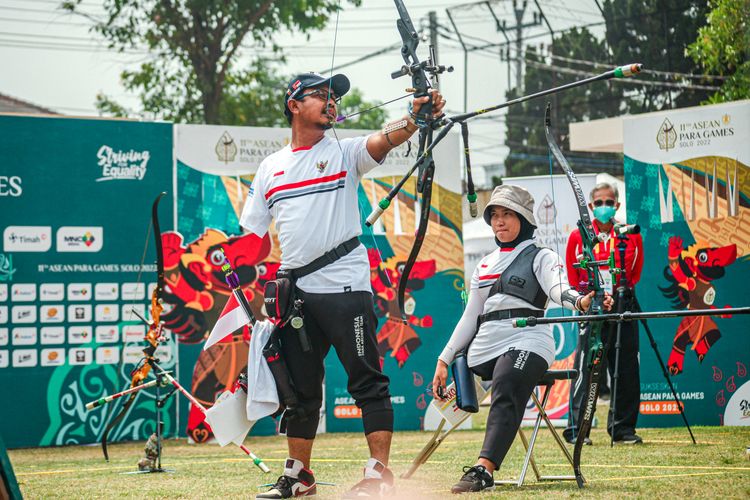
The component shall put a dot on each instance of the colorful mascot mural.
(691, 272)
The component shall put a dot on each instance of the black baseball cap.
(339, 85)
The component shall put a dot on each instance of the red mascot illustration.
(395, 336)
(196, 292)
(691, 272)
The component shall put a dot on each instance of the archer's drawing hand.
(439, 380)
(608, 301)
(438, 103)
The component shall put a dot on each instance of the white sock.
(374, 469)
(292, 467)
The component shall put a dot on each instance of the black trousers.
(347, 322)
(514, 376)
(628, 384)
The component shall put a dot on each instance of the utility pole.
(502, 27)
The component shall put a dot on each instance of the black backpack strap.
(327, 258)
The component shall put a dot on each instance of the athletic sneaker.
(288, 487)
(474, 479)
(372, 488)
(629, 439)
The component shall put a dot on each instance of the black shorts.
(347, 322)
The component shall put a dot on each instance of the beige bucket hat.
(513, 197)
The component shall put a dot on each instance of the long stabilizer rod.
(629, 316)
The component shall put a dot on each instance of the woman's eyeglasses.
(320, 94)
(599, 203)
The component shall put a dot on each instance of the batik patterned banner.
(687, 174)
(215, 167)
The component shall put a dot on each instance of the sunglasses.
(323, 95)
(599, 203)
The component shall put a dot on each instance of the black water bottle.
(466, 391)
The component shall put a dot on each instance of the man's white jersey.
(311, 194)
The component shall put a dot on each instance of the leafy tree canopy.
(723, 47)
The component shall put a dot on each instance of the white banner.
(555, 206)
(678, 135)
(233, 151)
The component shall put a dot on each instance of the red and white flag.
(231, 319)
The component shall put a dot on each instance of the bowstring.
(338, 142)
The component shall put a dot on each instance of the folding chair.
(547, 380)
(451, 415)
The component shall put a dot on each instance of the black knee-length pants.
(347, 322)
(514, 376)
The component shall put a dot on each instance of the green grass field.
(667, 466)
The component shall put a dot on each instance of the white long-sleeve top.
(495, 338)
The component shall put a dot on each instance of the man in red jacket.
(604, 203)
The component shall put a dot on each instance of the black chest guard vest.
(519, 280)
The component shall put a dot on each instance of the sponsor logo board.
(27, 238)
(107, 355)
(25, 358)
(54, 356)
(3, 292)
(4, 359)
(129, 312)
(80, 239)
(133, 291)
(80, 356)
(79, 313)
(80, 335)
(107, 333)
(106, 313)
(24, 336)
(106, 291)
(3, 336)
(132, 354)
(3, 314)
(53, 313)
(51, 335)
(79, 291)
(23, 292)
(23, 314)
(52, 292)
(133, 333)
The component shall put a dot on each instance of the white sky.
(49, 57)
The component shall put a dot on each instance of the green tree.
(656, 33)
(194, 46)
(525, 122)
(723, 47)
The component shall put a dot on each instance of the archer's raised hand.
(438, 103)
(586, 301)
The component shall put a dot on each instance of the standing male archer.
(309, 188)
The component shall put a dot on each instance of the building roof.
(10, 104)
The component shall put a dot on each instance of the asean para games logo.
(666, 137)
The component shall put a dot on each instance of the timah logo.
(667, 136)
(226, 149)
(118, 165)
(79, 239)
